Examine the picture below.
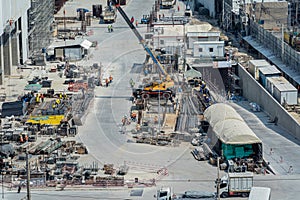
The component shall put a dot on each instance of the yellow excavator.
(156, 88)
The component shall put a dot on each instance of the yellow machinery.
(154, 88)
(293, 39)
(54, 120)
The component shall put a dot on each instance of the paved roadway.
(118, 52)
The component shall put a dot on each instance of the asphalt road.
(118, 52)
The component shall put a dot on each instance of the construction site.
(172, 104)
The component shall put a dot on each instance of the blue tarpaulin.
(82, 9)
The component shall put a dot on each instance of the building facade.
(40, 28)
(13, 35)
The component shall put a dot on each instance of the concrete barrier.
(254, 92)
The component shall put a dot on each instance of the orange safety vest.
(21, 138)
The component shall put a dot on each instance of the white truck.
(168, 3)
(236, 184)
(164, 193)
(109, 14)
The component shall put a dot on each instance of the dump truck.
(109, 14)
(236, 184)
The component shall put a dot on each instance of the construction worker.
(133, 116)
(21, 138)
(131, 82)
(19, 188)
(53, 106)
(138, 127)
(106, 82)
(132, 20)
(108, 28)
(124, 120)
(110, 78)
(37, 98)
(155, 119)
(136, 23)
(42, 97)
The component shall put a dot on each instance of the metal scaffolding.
(40, 28)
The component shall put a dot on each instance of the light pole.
(158, 111)
(282, 43)
(282, 39)
(2, 167)
(28, 176)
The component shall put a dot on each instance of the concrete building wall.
(191, 40)
(208, 49)
(1, 61)
(13, 35)
(164, 41)
(12, 9)
(254, 92)
(6, 54)
(24, 37)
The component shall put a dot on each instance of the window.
(162, 42)
(211, 50)
(200, 50)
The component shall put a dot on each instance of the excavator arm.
(140, 38)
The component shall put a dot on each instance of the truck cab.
(164, 193)
(236, 184)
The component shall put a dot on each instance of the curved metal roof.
(219, 112)
(228, 125)
(233, 131)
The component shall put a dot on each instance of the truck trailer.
(236, 184)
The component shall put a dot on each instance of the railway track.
(189, 111)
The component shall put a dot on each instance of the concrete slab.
(284, 146)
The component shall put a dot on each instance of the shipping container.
(270, 81)
(14, 108)
(270, 71)
(254, 65)
(285, 93)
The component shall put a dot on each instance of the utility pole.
(218, 178)
(223, 13)
(282, 42)
(296, 15)
(28, 176)
(184, 48)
